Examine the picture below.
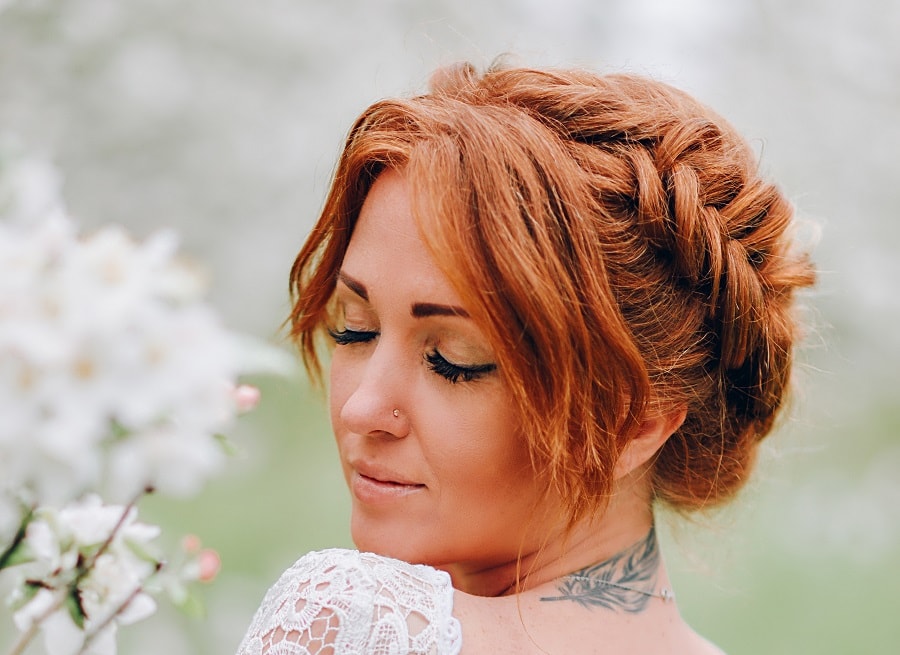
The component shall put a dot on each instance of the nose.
(376, 388)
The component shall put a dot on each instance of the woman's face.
(425, 426)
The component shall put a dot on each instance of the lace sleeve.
(343, 602)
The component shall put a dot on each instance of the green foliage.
(75, 607)
(17, 551)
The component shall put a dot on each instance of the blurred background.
(223, 118)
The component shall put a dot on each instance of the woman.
(556, 299)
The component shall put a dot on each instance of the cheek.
(488, 452)
(340, 386)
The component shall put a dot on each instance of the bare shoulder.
(518, 626)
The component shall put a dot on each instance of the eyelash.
(347, 337)
(453, 373)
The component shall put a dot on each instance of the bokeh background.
(223, 118)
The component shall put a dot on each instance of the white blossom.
(111, 363)
(103, 551)
(115, 376)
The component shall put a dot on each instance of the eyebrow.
(419, 309)
(355, 286)
(426, 309)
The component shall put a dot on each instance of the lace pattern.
(343, 602)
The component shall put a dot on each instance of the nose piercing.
(396, 413)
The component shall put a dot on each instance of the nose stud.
(396, 413)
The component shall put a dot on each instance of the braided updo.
(614, 241)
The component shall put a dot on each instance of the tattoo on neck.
(626, 581)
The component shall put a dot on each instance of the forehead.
(386, 213)
(387, 249)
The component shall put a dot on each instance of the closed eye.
(346, 336)
(454, 373)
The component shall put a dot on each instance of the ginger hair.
(615, 242)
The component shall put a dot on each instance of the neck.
(626, 523)
(627, 581)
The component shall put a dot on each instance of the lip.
(373, 486)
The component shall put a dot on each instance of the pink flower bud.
(191, 544)
(210, 563)
(246, 397)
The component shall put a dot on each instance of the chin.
(394, 544)
(380, 540)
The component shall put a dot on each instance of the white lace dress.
(343, 602)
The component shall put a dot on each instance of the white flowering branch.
(28, 635)
(115, 378)
(91, 635)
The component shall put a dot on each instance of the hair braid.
(715, 255)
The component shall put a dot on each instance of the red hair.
(612, 238)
